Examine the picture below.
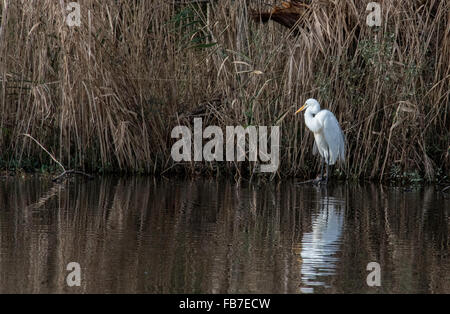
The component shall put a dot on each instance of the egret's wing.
(334, 137)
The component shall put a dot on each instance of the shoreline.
(264, 178)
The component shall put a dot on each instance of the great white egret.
(328, 136)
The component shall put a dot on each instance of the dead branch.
(65, 172)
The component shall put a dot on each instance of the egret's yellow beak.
(301, 109)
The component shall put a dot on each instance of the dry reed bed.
(105, 95)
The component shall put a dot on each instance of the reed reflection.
(205, 236)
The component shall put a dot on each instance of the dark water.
(156, 236)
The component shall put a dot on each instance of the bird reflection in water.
(319, 247)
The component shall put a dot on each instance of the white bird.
(328, 136)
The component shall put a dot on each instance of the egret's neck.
(311, 122)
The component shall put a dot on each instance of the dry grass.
(105, 95)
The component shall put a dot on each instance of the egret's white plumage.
(328, 136)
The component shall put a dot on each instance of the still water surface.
(141, 235)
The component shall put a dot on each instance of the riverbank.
(103, 96)
(406, 180)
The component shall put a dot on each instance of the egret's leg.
(321, 169)
(328, 173)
